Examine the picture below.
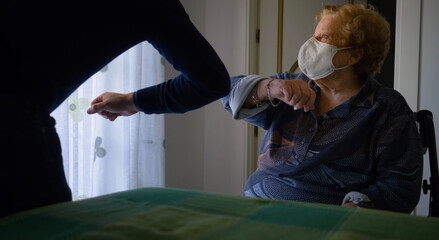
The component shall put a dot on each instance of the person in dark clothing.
(50, 48)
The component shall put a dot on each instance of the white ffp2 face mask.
(315, 59)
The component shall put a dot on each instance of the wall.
(225, 139)
(428, 80)
(205, 149)
(184, 133)
(416, 55)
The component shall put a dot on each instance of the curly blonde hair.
(363, 27)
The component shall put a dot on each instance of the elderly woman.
(334, 134)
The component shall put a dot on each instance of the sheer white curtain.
(102, 157)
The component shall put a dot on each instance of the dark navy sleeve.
(203, 77)
(399, 162)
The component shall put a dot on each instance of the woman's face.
(327, 31)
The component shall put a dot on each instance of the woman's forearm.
(258, 95)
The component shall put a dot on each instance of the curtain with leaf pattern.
(102, 157)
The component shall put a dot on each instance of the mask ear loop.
(339, 49)
(344, 48)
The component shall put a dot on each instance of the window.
(102, 157)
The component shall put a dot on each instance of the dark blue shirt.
(203, 77)
(52, 47)
(369, 144)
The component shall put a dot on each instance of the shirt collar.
(363, 99)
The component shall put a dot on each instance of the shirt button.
(296, 156)
(302, 142)
(311, 129)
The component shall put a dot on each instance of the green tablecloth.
(163, 213)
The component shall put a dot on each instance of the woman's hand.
(112, 105)
(349, 204)
(295, 93)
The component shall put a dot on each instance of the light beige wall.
(428, 79)
(225, 150)
(205, 149)
(184, 133)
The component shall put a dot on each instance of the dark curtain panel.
(388, 10)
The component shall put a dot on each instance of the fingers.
(97, 100)
(112, 105)
(349, 204)
(109, 115)
(98, 106)
(108, 102)
(94, 105)
(307, 100)
(93, 109)
(298, 94)
(301, 102)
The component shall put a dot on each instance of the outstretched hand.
(112, 105)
